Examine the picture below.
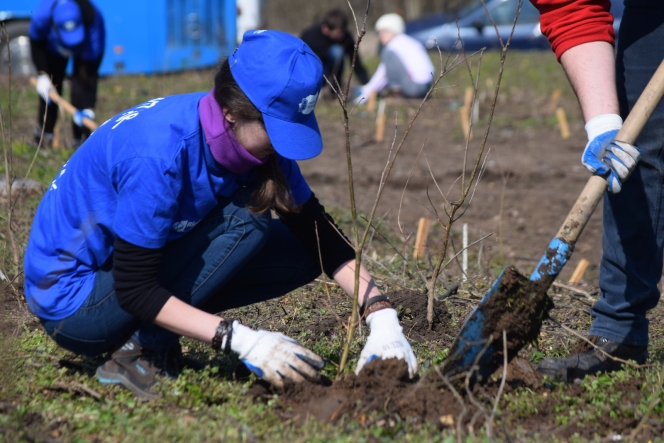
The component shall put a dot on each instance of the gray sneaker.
(129, 367)
(137, 368)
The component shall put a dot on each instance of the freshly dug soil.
(382, 395)
(411, 307)
(384, 386)
(518, 306)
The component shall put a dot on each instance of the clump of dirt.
(518, 307)
(385, 386)
(515, 305)
(520, 372)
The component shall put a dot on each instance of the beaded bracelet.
(384, 301)
(223, 335)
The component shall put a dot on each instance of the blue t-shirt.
(41, 29)
(146, 176)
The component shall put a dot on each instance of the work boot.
(137, 368)
(588, 360)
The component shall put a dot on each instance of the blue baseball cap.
(68, 20)
(282, 77)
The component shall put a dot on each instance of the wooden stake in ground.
(464, 112)
(371, 103)
(562, 121)
(55, 143)
(421, 238)
(380, 121)
(577, 275)
(553, 102)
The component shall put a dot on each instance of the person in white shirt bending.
(405, 66)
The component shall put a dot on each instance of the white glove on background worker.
(78, 116)
(386, 340)
(273, 356)
(606, 156)
(44, 86)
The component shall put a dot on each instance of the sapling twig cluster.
(467, 182)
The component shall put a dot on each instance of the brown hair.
(335, 19)
(273, 190)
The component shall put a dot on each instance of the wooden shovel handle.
(596, 186)
(68, 107)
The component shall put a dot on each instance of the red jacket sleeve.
(568, 23)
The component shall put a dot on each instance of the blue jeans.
(232, 258)
(633, 237)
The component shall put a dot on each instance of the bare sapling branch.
(343, 101)
(468, 185)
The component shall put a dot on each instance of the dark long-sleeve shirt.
(135, 268)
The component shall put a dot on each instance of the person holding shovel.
(607, 87)
(60, 30)
(163, 218)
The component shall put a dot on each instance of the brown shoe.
(129, 367)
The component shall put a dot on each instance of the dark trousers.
(633, 236)
(84, 81)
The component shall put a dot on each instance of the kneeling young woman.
(162, 219)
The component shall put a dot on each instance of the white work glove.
(78, 116)
(44, 86)
(273, 356)
(386, 340)
(606, 156)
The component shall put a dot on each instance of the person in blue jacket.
(60, 30)
(162, 219)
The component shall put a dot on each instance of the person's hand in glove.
(273, 356)
(606, 156)
(386, 340)
(80, 114)
(44, 86)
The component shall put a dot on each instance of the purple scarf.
(224, 146)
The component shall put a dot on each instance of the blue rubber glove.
(273, 356)
(606, 156)
(78, 116)
(386, 340)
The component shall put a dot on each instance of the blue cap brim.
(295, 141)
(72, 38)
